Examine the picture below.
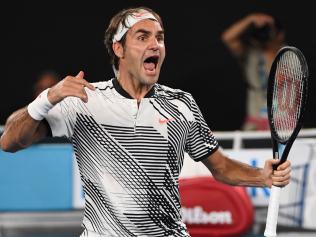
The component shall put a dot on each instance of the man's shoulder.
(172, 92)
(103, 85)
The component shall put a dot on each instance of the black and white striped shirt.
(130, 156)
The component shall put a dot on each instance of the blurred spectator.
(254, 40)
(46, 79)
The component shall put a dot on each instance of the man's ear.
(118, 49)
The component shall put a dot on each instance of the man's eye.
(142, 37)
(160, 38)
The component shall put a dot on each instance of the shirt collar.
(124, 93)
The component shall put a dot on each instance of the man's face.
(144, 52)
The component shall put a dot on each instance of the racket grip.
(273, 210)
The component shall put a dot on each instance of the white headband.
(131, 20)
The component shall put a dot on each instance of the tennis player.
(129, 136)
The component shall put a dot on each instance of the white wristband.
(39, 108)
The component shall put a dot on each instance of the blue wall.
(37, 178)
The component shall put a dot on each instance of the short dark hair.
(113, 26)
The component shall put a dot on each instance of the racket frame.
(274, 136)
(273, 208)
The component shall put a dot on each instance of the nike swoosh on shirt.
(163, 120)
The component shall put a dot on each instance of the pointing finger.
(80, 75)
(84, 82)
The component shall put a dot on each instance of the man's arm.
(233, 172)
(22, 129)
(232, 35)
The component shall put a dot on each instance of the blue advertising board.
(37, 178)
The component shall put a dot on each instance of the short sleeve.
(200, 142)
(61, 118)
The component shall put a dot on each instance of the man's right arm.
(21, 130)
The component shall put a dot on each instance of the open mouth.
(151, 62)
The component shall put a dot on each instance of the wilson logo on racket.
(289, 95)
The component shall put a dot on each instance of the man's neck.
(134, 88)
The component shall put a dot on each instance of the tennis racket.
(286, 100)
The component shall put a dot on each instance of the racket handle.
(273, 211)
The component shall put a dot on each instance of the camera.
(259, 35)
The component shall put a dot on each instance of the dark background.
(68, 37)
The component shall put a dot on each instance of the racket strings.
(287, 94)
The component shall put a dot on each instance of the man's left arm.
(229, 171)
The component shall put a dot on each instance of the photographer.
(254, 41)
